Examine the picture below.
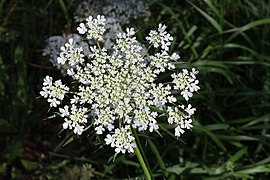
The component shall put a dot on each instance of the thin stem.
(142, 163)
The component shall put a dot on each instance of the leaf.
(197, 127)
(211, 20)
(158, 157)
(256, 169)
(191, 31)
(28, 165)
(177, 169)
(212, 7)
(68, 141)
(58, 165)
(213, 127)
(238, 137)
(63, 6)
(249, 26)
(238, 155)
(131, 163)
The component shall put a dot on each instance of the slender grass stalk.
(142, 163)
(159, 158)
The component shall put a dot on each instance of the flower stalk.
(142, 163)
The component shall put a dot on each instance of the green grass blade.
(238, 155)
(64, 9)
(212, 7)
(211, 20)
(256, 169)
(158, 157)
(68, 141)
(249, 26)
(207, 132)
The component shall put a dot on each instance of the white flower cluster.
(74, 118)
(181, 117)
(54, 43)
(186, 82)
(122, 140)
(118, 13)
(117, 86)
(160, 37)
(55, 92)
(94, 28)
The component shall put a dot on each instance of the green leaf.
(212, 7)
(211, 20)
(58, 165)
(68, 141)
(158, 157)
(64, 9)
(213, 127)
(191, 31)
(238, 137)
(249, 26)
(197, 127)
(256, 169)
(28, 165)
(177, 169)
(238, 155)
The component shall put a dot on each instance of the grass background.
(227, 40)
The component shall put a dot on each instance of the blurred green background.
(228, 41)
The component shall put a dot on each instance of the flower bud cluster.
(117, 87)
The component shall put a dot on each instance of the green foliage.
(228, 41)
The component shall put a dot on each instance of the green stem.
(142, 163)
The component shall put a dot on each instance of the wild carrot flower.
(116, 87)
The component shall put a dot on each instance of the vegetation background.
(227, 40)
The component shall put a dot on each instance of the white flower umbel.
(186, 82)
(75, 119)
(53, 45)
(160, 38)
(93, 28)
(117, 12)
(121, 140)
(117, 86)
(54, 92)
(181, 117)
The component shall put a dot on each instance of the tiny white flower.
(190, 110)
(109, 139)
(178, 131)
(53, 102)
(174, 57)
(47, 81)
(171, 99)
(188, 124)
(67, 124)
(82, 29)
(78, 129)
(61, 59)
(64, 111)
(186, 94)
(99, 129)
(46, 92)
